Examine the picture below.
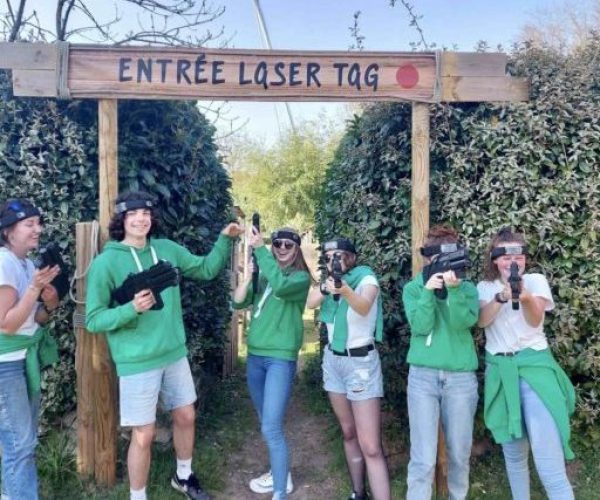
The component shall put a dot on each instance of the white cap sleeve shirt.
(17, 273)
(509, 332)
(361, 329)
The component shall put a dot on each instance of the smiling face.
(285, 251)
(137, 223)
(24, 235)
(503, 262)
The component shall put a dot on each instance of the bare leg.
(354, 458)
(139, 454)
(367, 417)
(184, 421)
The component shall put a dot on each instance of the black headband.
(342, 244)
(508, 250)
(430, 251)
(286, 235)
(17, 213)
(127, 205)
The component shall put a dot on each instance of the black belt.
(507, 354)
(356, 352)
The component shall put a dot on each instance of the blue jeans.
(18, 433)
(541, 432)
(270, 385)
(453, 395)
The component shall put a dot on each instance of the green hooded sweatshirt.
(440, 329)
(276, 329)
(152, 339)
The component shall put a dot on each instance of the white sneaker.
(264, 483)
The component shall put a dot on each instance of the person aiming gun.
(147, 343)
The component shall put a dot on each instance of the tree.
(283, 182)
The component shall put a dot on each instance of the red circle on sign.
(407, 76)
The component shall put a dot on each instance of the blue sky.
(324, 25)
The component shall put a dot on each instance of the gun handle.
(515, 305)
(159, 302)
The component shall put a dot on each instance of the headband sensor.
(18, 212)
(286, 235)
(508, 250)
(430, 251)
(341, 244)
(126, 206)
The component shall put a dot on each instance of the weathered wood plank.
(34, 83)
(473, 64)
(476, 89)
(419, 181)
(28, 55)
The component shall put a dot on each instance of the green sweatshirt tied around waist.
(42, 352)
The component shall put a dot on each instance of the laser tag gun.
(515, 285)
(50, 256)
(157, 278)
(256, 225)
(447, 257)
(323, 273)
(336, 272)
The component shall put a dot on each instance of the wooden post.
(105, 394)
(419, 227)
(83, 356)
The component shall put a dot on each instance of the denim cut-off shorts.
(139, 393)
(359, 378)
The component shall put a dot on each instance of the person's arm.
(99, 316)
(244, 294)
(419, 305)
(49, 303)
(533, 308)
(14, 311)
(463, 306)
(315, 297)
(360, 302)
(207, 267)
(489, 309)
(291, 286)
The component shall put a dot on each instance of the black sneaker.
(190, 487)
(356, 496)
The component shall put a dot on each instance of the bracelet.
(498, 298)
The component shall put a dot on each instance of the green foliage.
(48, 152)
(282, 182)
(532, 165)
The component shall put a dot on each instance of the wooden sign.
(98, 71)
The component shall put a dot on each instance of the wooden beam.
(420, 181)
(473, 64)
(105, 393)
(34, 83)
(39, 56)
(480, 88)
(83, 356)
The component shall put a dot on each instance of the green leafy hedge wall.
(534, 166)
(48, 152)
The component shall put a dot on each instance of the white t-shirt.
(509, 332)
(17, 273)
(361, 329)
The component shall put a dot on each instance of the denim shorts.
(359, 377)
(139, 393)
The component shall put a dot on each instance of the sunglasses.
(288, 245)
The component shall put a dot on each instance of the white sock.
(138, 494)
(184, 468)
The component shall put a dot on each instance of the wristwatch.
(498, 298)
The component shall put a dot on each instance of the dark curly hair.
(116, 226)
(440, 235)
(5, 209)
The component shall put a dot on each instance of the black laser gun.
(255, 225)
(50, 256)
(515, 285)
(157, 278)
(457, 261)
(336, 272)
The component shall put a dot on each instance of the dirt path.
(310, 459)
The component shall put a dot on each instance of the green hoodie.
(142, 342)
(450, 346)
(276, 329)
